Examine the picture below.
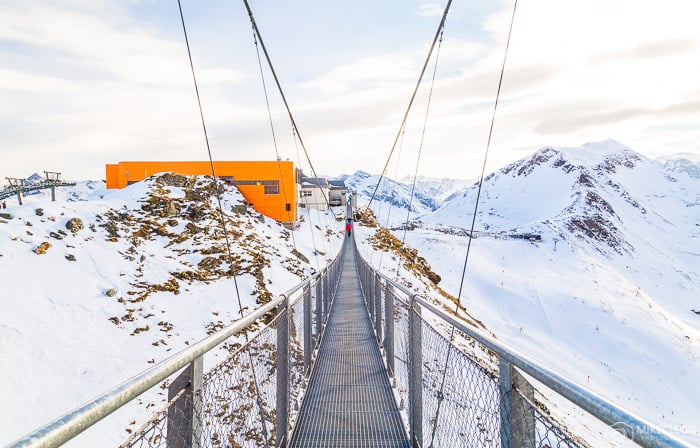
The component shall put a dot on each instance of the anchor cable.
(413, 97)
(274, 137)
(471, 231)
(281, 92)
(223, 224)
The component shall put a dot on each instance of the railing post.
(370, 294)
(326, 294)
(517, 416)
(184, 416)
(378, 307)
(282, 421)
(415, 372)
(363, 276)
(389, 329)
(319, 308)
(308, 346)
(332, 279)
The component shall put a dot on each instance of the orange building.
(269, 187)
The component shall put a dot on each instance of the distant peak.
(604, 155)
(609, 146)
(361, 173)
(689, 156)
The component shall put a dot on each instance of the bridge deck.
(349, 402)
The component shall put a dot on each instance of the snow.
(60, 348)
(611, 311)
(605, 298)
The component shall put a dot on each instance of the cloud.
(94, 86)
(569, 119)
(564, 123)
(431, 10)
(648, 50)
(88, 82)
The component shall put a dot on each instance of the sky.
(89, 82)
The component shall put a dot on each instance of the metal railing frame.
(511, 362)
(70, 425)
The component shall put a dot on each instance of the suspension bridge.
(352, 358)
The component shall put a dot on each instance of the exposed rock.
(75, 225)
(173, 180)
(70, 257)
(161, 206)
(42, 248)
(39, 212)
(111, 292)
(7, 216)
(240, 209)
(192, 227)
(300, 256)
(140, 330)
(366, 217)
(55, 235)
(171, 209)
(112, 230)
(195, 213)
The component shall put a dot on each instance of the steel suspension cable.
(281, 92)
(211, 161)
(223, 224)
(393, 192)
(471, 231)
(274, 137)
(313, 240)
(422, 136)
(413, 97)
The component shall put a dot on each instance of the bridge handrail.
(70, 425)
(75, 422)
(644, 433)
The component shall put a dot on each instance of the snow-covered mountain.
(605, 286)
(391, 203)
(441, 190)
(102, 284)
(685, 163)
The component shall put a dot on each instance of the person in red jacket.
(348, 227)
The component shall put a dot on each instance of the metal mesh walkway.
(349, 402)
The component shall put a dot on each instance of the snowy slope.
(612, 306)
(144, 276)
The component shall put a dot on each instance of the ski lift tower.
(16, 186)
(53, 179)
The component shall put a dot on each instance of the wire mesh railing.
(250, 399)
(460, 387)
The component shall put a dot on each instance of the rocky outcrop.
(42, 248)
(75, 225)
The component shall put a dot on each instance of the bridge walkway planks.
(349, 402)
